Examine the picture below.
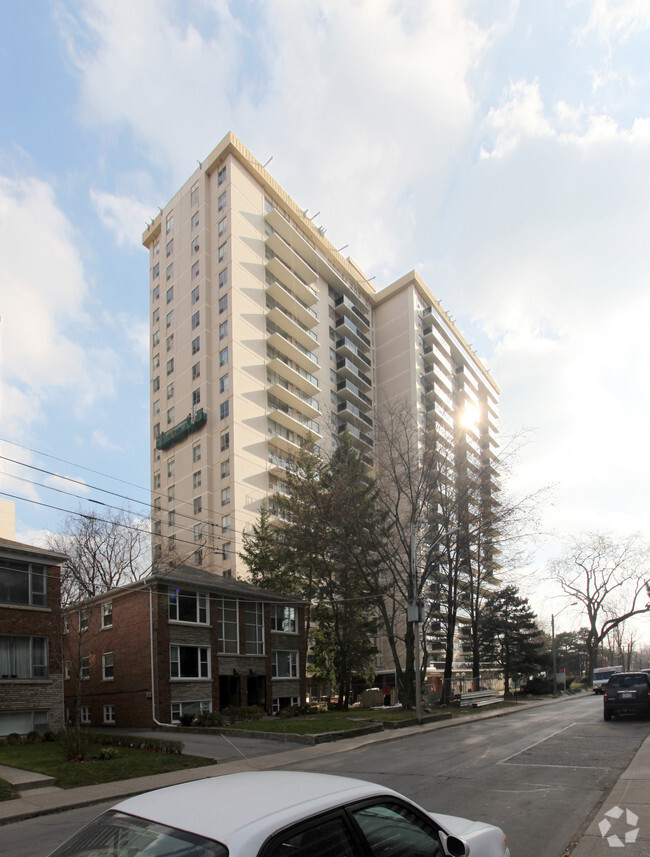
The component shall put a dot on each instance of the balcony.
(357, 434)
(351, 414)
(284, 297)
(347, 390)
(346, 348)
(347, 369)
(345, 327)
(188, 426)
(278, 463)
(291, 259)
(291, 396)
(293, 420)
(346, 307)
(294, 374)
(298, 355)
(278, 270)
(281, 319)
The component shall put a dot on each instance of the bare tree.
(609, 579)
(103, 552)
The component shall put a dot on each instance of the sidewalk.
(624, 810)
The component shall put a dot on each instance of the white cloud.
(124, 216)
(619, 19)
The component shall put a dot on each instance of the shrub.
(210, 718)
(298, 710)
(49, 736)
(14, 738)
(157, 745)
(538, 686)
(34, 737)
(187, 719)
(107, 752)
(74, 743)
(235, 714)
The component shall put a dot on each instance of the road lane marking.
(536, 744)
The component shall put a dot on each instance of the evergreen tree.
(510, 635)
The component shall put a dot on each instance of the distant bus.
(602, 675)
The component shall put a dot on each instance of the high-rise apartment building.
(262, 332)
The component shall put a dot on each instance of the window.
(195, 294)
(67, 670)
(170, 318)
(156, 431)
(225, 441)
(169, 273)
(194, 222)
(221, 252)
(254, 628)
(155, 384)
(197, 506)
(84, 712)
(196, 345)
(171, 468)
(155, 294)
(198, 532)
(221, 175)
(225, 468)
(196, 398)
(107, 614)
(23, 583)
(170, 295)
(284, 665)
(223, 330)
(109, 713)
(190, 708)
(283, 618)
(195, 270)
(225, 524)
(157, 504)
(155, 271)
(323, 837)
(107, 666)
(196, 451)
(196, 320)
(226, 550)
(189, 662)
(395, 830)
(169, 249)
(280, 702)
(196, 371)
(195, 246)
(185, 605)
(225, 496)
(156, 407)
(222, 225)
(224, 383)
(170, 367)
(84, 670)
(196, 479)
(170, 390)
(221, 202)
(155, 250)
(171, 517)
(170, 342)
(23, 657)
(171, 493)
(155, 363)
(228, 619)
(156, 479)
(223, 304)
(223, 356)
(155, 318)
(170, 416)
(84, 620)
(223, 277)
(224, 410)
(194, 194)
(157, 528)
(169, 222)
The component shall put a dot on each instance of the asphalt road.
(539, 774)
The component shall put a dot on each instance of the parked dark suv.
(627, 693)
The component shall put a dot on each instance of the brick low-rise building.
(31, 681)
(180, 642)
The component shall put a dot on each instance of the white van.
(602, 675)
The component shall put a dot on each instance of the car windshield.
(115, 834)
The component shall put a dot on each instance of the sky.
(500, 148)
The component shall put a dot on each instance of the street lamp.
(415, 614)
(572, 604)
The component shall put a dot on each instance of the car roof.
(243, 810)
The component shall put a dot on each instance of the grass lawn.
(339, 721)
(47, 758)
(7, 791)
